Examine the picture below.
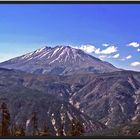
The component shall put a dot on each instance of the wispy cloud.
(129, 57)
(109, 56)
(134, 64)
(105, 45)
(126, 58)
(138, 50)
(116, 55)
(122, 59)
(134, 44)
(103, 57)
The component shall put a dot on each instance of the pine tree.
(17, 130)
(76, 128)
(13, 130)
(45, 131)
(60, 131)
(5, 120)
(20, 131)
(34, 121)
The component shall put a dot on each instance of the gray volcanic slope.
(111, 98)
(23, 101)
(58, 60)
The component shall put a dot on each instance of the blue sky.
(109, 32)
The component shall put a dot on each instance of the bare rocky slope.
(110, 98)
(51, 111)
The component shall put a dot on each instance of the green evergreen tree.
(5, 120)
(13, 130)
(20, 131)
(76, 128)
(60, 131)
(34, 121)
(45, 131)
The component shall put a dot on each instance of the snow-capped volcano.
(58, 60)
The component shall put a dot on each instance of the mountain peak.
(60, 59)
(63, 46)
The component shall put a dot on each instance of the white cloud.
(108, 50)
(116, 55)
(93, 49)
(129, 56)
(134, 44)
(97, 51)
(134, 64)
(105, 45)
(88, 48)
(103, 57)
(138, 50)
(126, 58)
